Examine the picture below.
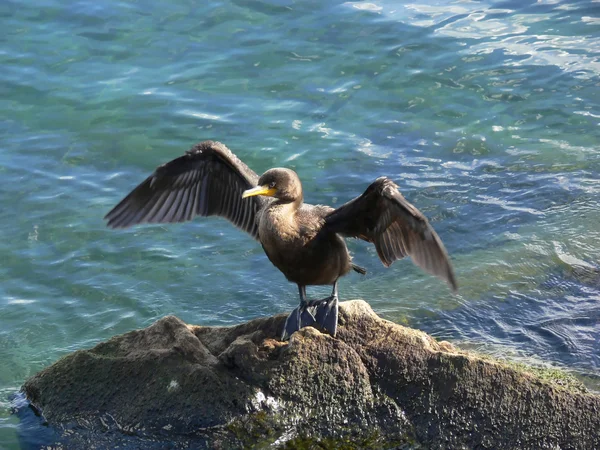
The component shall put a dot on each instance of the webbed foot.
(302, 316)
(323, 313)
(326, 316)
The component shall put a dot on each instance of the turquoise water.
(487, 114)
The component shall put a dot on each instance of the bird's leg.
(300, 317)
(326, 315)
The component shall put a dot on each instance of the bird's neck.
(280, 220)
(289, 204)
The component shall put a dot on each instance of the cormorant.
(305, 242)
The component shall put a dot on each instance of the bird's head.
(283, 184)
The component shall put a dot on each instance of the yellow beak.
(259, 190)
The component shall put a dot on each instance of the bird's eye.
(272, 184)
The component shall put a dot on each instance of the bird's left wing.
(383, 216)
(208, 180)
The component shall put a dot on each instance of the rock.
(377, 385)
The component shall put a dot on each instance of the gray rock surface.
(377, 385)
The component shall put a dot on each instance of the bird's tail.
(359, 269)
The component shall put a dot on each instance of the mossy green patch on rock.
(554, 376)
(376, 385)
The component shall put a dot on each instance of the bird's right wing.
(208, 180)
(383, 216)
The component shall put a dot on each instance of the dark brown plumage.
(304, 241)
(207, 181)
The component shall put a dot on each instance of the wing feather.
(191, 203)
(237, 211)
(383, 216)
(203, 207)
(207, 180)
(171, 215)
